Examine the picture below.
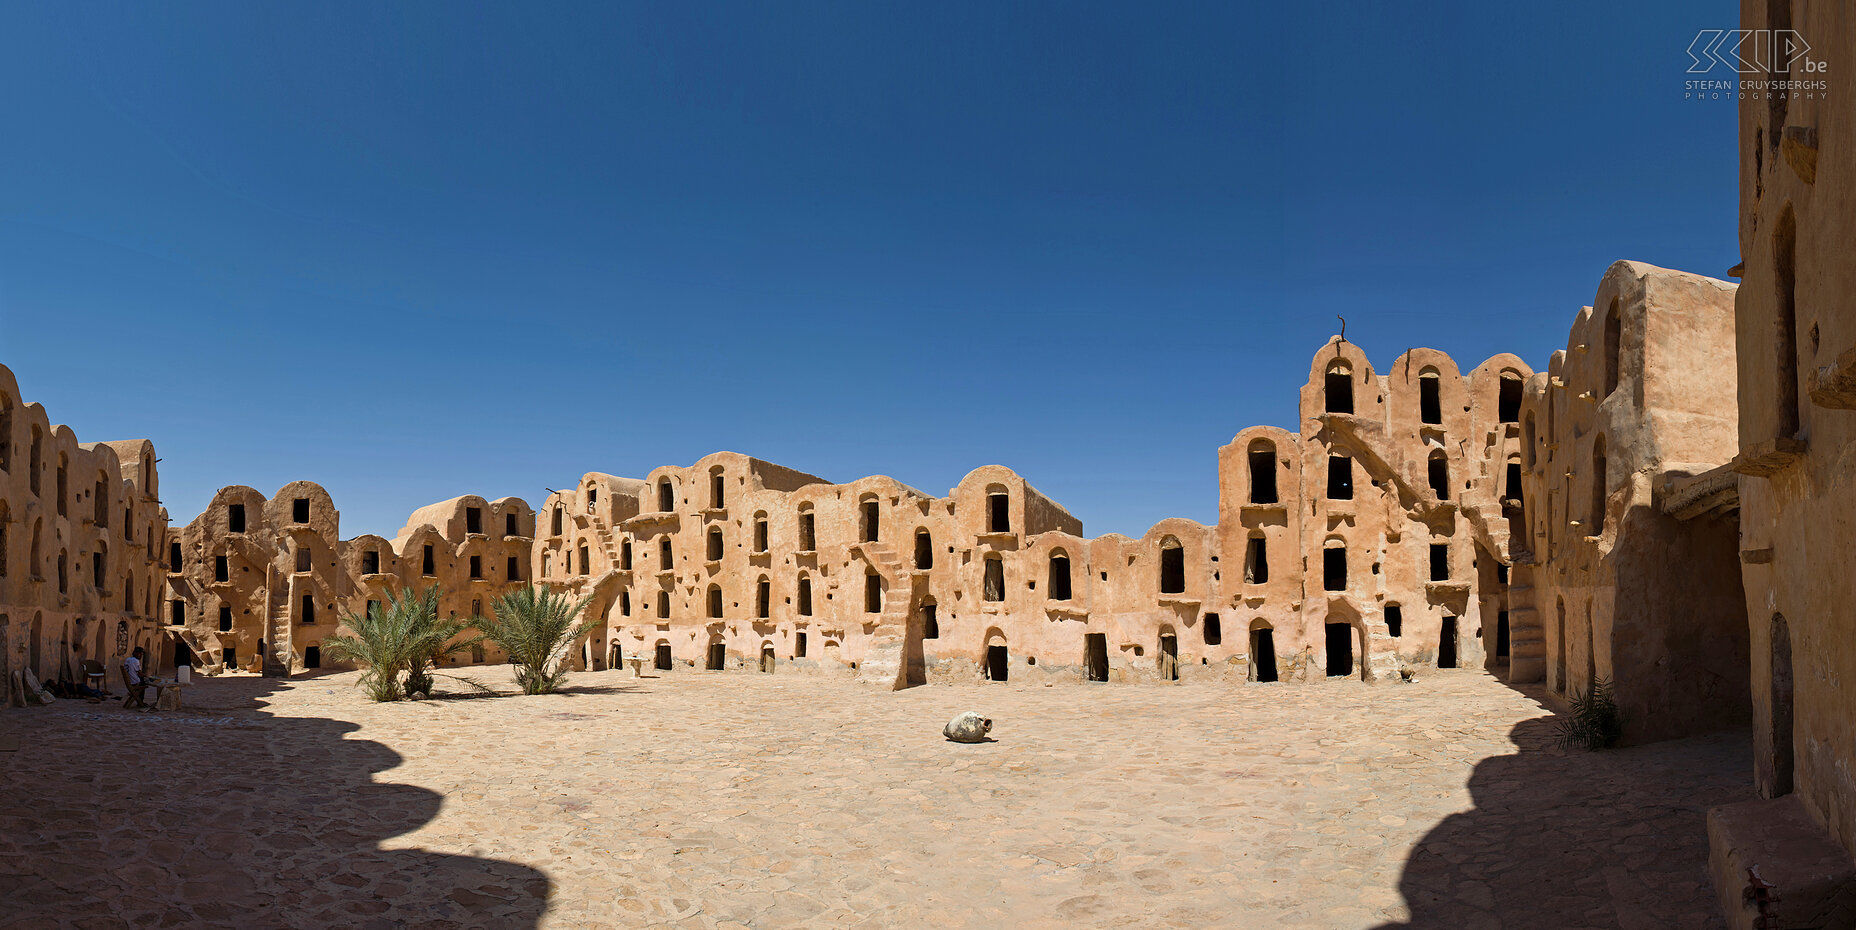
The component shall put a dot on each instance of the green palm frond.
(536, 627)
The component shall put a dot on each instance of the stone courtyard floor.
(728, 800)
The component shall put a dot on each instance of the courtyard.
(730, 800)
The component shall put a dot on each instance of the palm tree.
(536, 627)
(382, 640)
(433, 639)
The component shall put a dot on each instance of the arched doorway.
(1262, 652)
(766, 658)
(663, 655)
(1169, 656)
(998, 658)
(1095, 655)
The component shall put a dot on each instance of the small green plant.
(382, 639)
(536, 627)
(1595, 722)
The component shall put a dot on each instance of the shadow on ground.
(1567, 839)
(226, 815)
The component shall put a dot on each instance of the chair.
(94, 675)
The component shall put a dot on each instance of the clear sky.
(412, 251)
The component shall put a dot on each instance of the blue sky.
(412, 251)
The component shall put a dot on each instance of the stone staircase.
(885, 663)
(1527, 640)
(277, 643)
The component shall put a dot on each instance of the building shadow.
(227, 815)
(1564, 838)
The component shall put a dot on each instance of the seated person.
(132, 679)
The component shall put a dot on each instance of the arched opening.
(1256, 559)
(715, 544)
(662, 662)
(799, 644)
(998, 511)
(1213, 630)
(547, 563)
(625, 556)
(1338, 390)
(666, 496)
(1599, 489)
(805, 596)
(1439, 474)
(998, 658)
(615, 657)
(1511, 482)
(555, 520)
(1334, 566)
(924, 550)
(715, 601)
(1095, 656)
(225, 617)
(718, 656)
(873, 593)
(663, 603)
(763, 598)
(869, 520)
(1340, 650)
(1782, 699)
(1058, 588)
(1508, 401)
(1340, 478)
(1262, 652)
(1785, 283)
(1172, 566)
(1430, 397)
(1168, 658)
(64, 468)
(1559, 646)
(1501, 636)
(1263, 472)
(1614, 338)
(33, 458)
(1395, 621)
(718, 486)
(808, 536)
(767, 659)
(760, 532)
(586, 561)
(664, 561)
(312, 657)
(993, 584)
(1446, 644)
(931, 625)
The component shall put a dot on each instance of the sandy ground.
(732, 799)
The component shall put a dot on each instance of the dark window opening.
(808, 537)
(370, 562)
(225, 619)
(1334, 569)
(924, 550)
(235, 518)
(174, 557)
(230, 655)
(1430, 403)
(302, 558)
(299, 510)
(663, 603)
(625, 555)
(1214, 632)
(717, 491)
(1059, 587)
(998, 513)
(308, 613)
(1446, 644)
(1262, 654)
(871, 517)
(993, 582)
(760, 535)
(715, 544)
(509, 525)
(1339, 391)
(1501, 634)
(1440, 561)
(476, 566)
(221, 569)
(715, 603)
(931, 627)
(1440, 477)
(430, 565)
(998, 663)
(666, 498)
(1257, 561)
(473, 519)
(763, 599)
(555, 521)
(1340, 650)
(1263, 475)
(1501, 573)
(1340, 478)
(1512, 482)
(1395, 621)
(1597, 521)
(1168, 659)
(182, 654)
(1172, 569)
(799, 645)
(312, 657)
(718, 657)
(663, 653)
(177, 613)
(625, 603)
(96, 570)
(805, 597)
(663, 555)
(515, 568)
(586, 560)
(873, 593)
(1095, 655)
(1508, 402)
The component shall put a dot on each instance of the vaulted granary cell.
(370, 562)
(308, 612)
(998, 512)
(808, 532)
(1447, 643)
(225, 619)
(554, 524)
(870, 516)
(1340, 650)
(1439, 470)
(715, 544)
(804, 597)
(1508, 402)
(924, 550)
(1334, 568)
(1338, 391)
(1257, 560)
(994, 580)
(664, 561)
(715, 602)
(1058, 586)
(1213, 632)
(177, 612)
(473, 520)
(1262, 654)
(515, 568)
(873, 593)
(718, 489)
(760, 532)
(430, 564)
(1095, 656)
(666, 497)
(221, 569)
(1395, 620)
(1169, 657)
(1263, 473)
(718, 656)
(998, 662)
(1595, 525)
(662, 662)
(1340, 478)
(1440, 561)
(799, 645)
(1172, 567)
(235, 518)
(663, 603)
(767, 659)
(299, 510)
(763, 598)
(509, 525)
(625, 556)
(931, 625)
(1430, 402)
(312, 657)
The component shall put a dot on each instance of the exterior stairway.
(1527, 641)
(885, 661)
(277, 645)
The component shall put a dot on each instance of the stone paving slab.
(732, 800)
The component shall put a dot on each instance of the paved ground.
(734, 799)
